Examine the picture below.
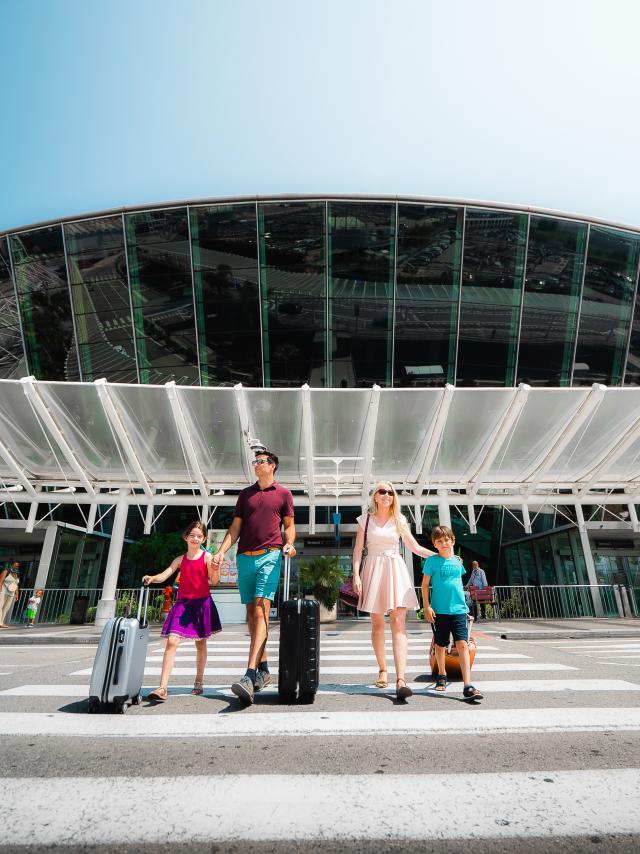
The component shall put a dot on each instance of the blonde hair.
(402, 526)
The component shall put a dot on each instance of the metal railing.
(563, 601)
(61, 605)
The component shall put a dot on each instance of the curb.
(569, 634)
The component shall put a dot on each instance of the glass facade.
(336, 293)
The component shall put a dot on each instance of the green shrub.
(322, 577)
(91, 615)
(63, 619)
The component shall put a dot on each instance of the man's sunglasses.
(385, 492)
(260, 462)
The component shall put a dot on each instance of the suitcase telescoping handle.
(143, 603)
(287, 576)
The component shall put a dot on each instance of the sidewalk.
(506, 629)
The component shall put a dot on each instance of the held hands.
(217, 560)
(289, 549)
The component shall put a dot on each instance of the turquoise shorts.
(258, 575)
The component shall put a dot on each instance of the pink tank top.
(194, 580)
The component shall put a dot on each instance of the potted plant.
(322, 577)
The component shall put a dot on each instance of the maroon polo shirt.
(262, 512)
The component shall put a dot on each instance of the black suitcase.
(299, 654)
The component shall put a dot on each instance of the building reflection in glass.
(12, 361)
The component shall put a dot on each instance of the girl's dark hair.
(200, 525)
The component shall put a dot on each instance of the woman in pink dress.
(383, 580)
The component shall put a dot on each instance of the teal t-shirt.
(447, 593)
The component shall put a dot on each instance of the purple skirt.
(192, 618)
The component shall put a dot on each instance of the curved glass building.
(333, 291)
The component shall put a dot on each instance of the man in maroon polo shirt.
(261, 511)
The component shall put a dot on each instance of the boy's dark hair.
(270, 456)
(199, 524)
(441, 531)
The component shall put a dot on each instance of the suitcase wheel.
(136, 700)
(121, 707)
(307, 697)
(287, 697)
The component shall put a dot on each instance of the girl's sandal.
(441, 683)
(382, 681)
(403, 691)
(198, 687)
(158, 696)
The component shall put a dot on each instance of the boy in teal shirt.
(444, 605)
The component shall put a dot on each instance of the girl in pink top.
(194, 614)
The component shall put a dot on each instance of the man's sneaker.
(263, 677)
(243, 689)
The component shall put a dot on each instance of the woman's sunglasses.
(385, 492)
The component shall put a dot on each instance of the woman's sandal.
(403, 691)
(382, 682)
(471, 693)
(441, 683)
(198, 687)
(158, 696)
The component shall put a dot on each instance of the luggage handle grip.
(287, 576)
(142, 598)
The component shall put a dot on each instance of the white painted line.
(423, 656)
(512, 686)
(367, 723)
(335, 670)
(212, 809)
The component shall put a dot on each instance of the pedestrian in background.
(383, 580)
(477, 579)
(9, 592)
(32, 606)
(193, 616)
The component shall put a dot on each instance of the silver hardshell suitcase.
(118, 668)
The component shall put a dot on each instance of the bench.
(484, 596)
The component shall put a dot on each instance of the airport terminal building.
(486, 358)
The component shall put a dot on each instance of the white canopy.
(95, 443)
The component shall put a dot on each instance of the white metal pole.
(46, 555)
(107, 603)
(444, 511)
(589, 562)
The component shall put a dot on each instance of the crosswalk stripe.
(325, 723)
(591, 686)
(213, 808)
(422, 656)
(335, 670)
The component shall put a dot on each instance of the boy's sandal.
(403, 691)
(471, 693)
(198, 687)
(382, 681)
(441, 683)
(158, 696)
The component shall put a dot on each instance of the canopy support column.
(588, 559)
(107, 603)
(444, 511)
(46, 555)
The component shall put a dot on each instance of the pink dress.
(386, 580)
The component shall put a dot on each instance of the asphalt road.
(548, 761)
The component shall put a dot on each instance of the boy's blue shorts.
(451, 624)
(258, 575)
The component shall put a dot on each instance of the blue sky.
(134, 101)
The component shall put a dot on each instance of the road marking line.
(489, 686)
(308, 723)
(543, 804)
(355, 671)
(154, 659)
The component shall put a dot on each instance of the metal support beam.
(148, 519)
(433, 442)
(368, 440)
(185, 433)
(572, 426)
(38, 399)
(20, 476)
(444, 509)
(46, 556)
(417, 513)
(113, 417)
(473, 528)
(633, 517)
(307, 432)
(509, 419)
(31, 518)
(91, 518)
(526, 519)
(245, 427)
(107, 604)
(588, 559)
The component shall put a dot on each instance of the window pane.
(12, 359)
(555, 262)
(162, 294)
(292, 271)
(494, 246)
(361, 265)
(225, 263)
(605, 313)
(45, 306)
(427, 289)
(100, 294)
